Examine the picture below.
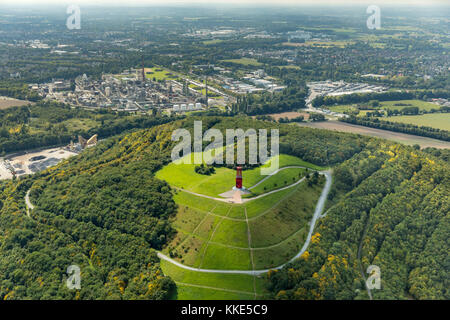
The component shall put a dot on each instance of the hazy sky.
(211, 2)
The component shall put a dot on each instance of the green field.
(159, 74)
(434, 120)
(244, 62)
(203, 91)
(213, 286)
(75, 124)
(259, 234)
(289, 67)
(80, 124)
(214, 235)
(184, 176)
(422, 105)
(386, 105)
(283, 178)
(342, 108)
(210, 42)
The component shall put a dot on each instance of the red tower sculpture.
(239, 177)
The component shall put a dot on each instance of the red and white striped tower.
(238, 177)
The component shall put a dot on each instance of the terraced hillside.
(259, 234)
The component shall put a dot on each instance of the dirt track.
(404, 138)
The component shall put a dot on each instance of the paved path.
(317, 212)
(253, 198)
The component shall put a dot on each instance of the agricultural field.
(387, 105)
(289, 115)
(325, 44)
(422, 105)
(6, 102)
(289, 67)
(434, 120)
(244, 62)
(343, 108)
(212, 42)
(399, 137)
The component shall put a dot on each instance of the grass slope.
(184, 176)
(214, 235)
(262, 233)
(212, 286)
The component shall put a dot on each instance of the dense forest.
(51, 123)
(18, 91)
(104, 211)
(388, 207)
(255, 104)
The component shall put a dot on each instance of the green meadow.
(159, 74)
(245, 62)
(219, 235)
(434, 120)
(388, 105)
(260, 233)
(213, 286)
(422, 105)
(181, 175)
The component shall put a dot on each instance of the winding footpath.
(244, 200)
(317, 215)
(28, 203)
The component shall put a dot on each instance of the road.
(317, 212)
(309, 107)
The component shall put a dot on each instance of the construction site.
(32, 162)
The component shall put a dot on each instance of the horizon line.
(227, 3)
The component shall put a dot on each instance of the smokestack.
(206, 90)
(143, 72)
